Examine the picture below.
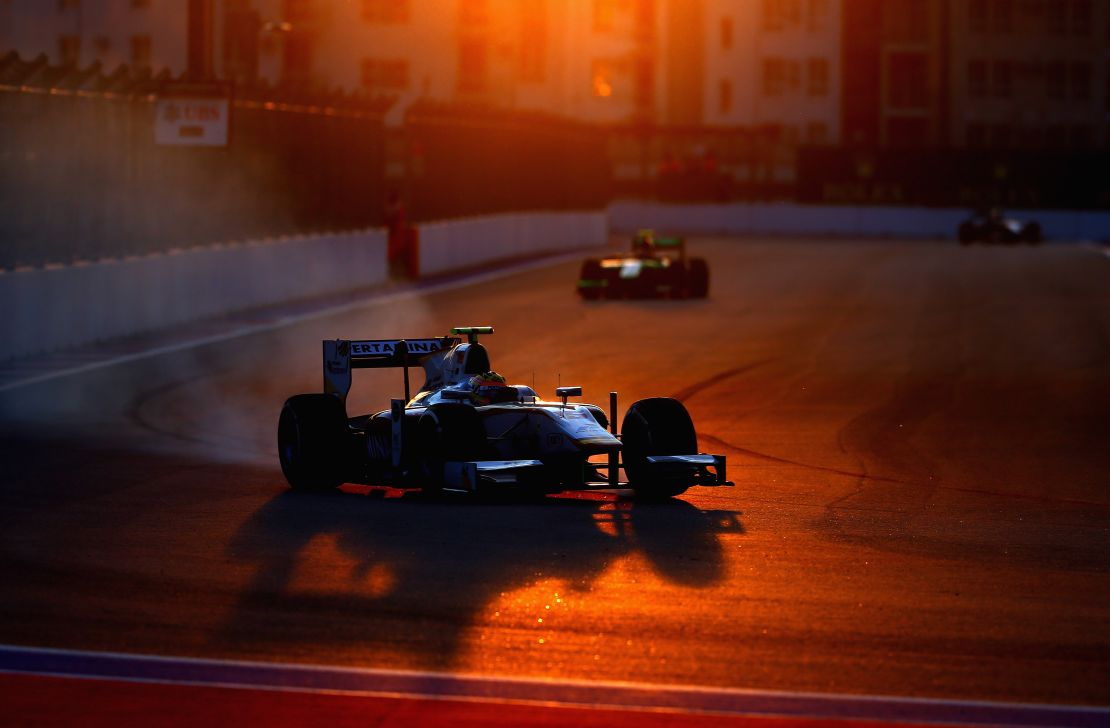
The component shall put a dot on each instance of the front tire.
(698, 278)
(656, 426)
(314, 442)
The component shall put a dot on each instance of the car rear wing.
(342, 356)
(671, 244)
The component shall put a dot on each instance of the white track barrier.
(794, 219)
(460, 244)
(60, 307)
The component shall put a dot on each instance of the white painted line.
(564, 693)
(367, 302)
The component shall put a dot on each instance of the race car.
(993, 227)
(657, 267)
(466, 430)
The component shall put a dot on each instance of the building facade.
(1029, 74)
(976, 73)
(138, 33)
(886, 73)
(774, 63)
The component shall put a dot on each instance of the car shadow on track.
(406, 577)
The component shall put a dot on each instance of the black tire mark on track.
(881, 479)
(786, 461)
(684, 394)
(137, 415)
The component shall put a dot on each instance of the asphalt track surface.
(917, 433)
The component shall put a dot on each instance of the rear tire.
(314, 442)
(697, 278)
(1031, 233)
(657, 426)
(447, 432)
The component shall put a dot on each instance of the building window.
(1081, 81)
(977, 79)
(817, 132)
(140, 50)
(772, 20)
(818, 77)
(726, 33)
(602, 79)
(384, 74)
(473, 64)
(724, 96)
(643, 20)
(781, 14)
(817, 14)
(102, 44)
(533, 49)
(297, 57)
(644, 86)
(773, 77)
(386, 11)
(140, 4)
(1056, 79)
(69, 49)
(605, 16)
(1002, 77)
(908, 81)
(64, 5)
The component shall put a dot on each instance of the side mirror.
(564, 392)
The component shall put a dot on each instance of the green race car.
(656, 267)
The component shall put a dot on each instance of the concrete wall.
(459, 244)
(47, 309)
(60, 307)
(793, 219)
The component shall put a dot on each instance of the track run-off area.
(921, 517)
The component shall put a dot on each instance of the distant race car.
(656, 267)
(992, 227)
(466, 430)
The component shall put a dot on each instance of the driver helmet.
(490, 387)
(644, 242)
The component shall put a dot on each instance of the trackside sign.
(193, 121)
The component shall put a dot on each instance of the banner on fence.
(194, 116)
